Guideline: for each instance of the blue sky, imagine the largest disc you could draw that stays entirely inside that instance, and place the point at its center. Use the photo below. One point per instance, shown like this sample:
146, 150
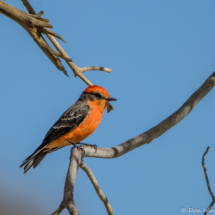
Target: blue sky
160, 53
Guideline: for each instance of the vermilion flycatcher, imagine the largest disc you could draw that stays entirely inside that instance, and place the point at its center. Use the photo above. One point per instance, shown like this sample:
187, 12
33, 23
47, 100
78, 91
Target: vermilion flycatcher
77, 123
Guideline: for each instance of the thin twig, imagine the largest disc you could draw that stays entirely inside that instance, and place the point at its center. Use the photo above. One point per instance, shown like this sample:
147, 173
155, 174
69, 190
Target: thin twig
97, 188
74, 68
49, 31
88, 68
58, 211
207, 180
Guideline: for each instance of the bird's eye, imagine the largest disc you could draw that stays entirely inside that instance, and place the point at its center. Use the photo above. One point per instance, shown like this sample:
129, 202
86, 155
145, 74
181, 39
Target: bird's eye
98, 95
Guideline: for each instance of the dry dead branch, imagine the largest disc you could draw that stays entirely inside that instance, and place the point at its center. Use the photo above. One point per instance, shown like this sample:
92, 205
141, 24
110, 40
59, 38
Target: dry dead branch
31, 23
35, 25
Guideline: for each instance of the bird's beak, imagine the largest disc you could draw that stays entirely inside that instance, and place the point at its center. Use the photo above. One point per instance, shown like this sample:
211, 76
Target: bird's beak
109, 106
111, 99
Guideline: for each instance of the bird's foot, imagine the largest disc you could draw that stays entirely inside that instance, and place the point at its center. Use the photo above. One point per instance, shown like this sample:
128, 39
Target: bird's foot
86, 144
78, 147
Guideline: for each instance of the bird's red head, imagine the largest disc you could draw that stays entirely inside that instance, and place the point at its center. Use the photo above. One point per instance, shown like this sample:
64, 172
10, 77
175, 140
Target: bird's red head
97, 89
101, 94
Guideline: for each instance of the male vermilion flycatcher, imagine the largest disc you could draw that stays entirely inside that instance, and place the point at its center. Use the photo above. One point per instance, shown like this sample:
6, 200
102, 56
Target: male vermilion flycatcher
77, 123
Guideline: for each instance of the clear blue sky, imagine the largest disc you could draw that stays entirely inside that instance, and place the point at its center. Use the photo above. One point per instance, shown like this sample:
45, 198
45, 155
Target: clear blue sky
160, 53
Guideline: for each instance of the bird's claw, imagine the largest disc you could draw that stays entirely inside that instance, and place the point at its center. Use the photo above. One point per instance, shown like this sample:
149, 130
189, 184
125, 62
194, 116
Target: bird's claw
82, 145
86, 144
95, 147
78, 147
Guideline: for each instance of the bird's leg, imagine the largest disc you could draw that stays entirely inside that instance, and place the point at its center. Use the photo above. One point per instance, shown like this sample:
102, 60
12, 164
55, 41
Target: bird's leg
75, 146
72, 143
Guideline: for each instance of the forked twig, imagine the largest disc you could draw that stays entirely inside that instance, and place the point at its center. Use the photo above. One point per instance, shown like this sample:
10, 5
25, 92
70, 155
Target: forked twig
207, 180
50, 34
35, 25
76, 70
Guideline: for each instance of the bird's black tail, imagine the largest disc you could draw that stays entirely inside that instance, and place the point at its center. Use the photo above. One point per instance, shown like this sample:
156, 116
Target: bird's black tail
35, 158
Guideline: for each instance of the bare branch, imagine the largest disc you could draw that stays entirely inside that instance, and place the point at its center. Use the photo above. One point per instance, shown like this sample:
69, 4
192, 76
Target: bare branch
75, 161
207, 180
34, 24
31, 23
49, 31
42, 30
97, 188
21, 17
68, 200
85, 69
156, 131
28, 7
74, 68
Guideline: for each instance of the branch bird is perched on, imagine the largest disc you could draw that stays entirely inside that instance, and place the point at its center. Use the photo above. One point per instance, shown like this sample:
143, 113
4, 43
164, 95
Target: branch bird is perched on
76, 124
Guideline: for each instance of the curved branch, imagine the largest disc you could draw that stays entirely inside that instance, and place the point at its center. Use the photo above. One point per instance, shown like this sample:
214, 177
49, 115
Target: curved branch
85, 69
156, 131
97, 188
207, 180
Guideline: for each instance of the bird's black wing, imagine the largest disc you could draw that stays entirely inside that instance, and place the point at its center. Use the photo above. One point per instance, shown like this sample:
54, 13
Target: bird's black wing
71, 119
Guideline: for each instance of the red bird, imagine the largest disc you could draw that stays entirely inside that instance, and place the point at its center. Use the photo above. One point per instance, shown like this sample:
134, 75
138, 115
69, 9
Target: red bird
76, 124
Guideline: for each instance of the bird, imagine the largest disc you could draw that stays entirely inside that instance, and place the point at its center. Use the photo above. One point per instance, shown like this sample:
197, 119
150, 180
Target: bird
75, 124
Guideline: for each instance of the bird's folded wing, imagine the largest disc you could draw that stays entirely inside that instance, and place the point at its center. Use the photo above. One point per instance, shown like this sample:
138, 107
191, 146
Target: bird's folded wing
70, 120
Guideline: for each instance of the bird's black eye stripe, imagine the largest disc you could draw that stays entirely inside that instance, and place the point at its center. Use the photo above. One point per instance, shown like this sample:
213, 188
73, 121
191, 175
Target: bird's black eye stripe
98, 95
